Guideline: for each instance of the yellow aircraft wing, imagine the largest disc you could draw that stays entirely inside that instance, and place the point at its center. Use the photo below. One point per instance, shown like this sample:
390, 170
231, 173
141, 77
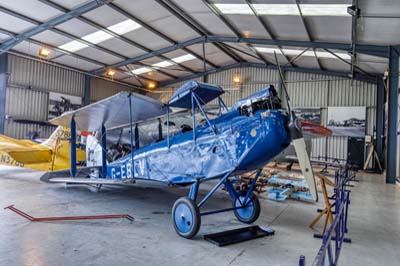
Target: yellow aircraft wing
25, 151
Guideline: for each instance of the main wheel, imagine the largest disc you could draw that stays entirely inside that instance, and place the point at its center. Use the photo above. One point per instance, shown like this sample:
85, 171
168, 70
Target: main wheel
186, 217
250, 210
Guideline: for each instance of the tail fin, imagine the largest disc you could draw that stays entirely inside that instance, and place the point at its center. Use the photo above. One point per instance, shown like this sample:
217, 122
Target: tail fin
61, 133
59, 143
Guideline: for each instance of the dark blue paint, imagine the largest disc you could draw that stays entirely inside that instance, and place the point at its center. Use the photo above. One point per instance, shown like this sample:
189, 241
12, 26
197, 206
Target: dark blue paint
103, 152
233, 149
73, 148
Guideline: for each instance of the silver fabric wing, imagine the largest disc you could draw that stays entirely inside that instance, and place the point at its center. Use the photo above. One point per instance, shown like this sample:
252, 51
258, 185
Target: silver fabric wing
113, 112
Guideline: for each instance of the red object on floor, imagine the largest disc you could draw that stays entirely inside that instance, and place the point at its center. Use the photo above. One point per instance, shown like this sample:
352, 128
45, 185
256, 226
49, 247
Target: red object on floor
68, 218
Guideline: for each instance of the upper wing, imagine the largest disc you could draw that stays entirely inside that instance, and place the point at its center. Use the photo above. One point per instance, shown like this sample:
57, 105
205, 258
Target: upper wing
24, 151
112, 112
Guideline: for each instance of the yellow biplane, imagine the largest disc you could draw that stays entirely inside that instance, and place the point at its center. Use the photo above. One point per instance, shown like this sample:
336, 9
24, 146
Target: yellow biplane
50, 155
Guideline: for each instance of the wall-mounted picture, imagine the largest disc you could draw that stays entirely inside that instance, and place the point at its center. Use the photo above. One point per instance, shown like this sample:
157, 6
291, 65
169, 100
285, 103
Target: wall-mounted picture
347, 121
309, 114
60, 103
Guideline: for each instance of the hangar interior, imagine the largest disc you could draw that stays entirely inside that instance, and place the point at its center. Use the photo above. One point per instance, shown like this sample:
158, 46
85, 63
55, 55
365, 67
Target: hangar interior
337, 56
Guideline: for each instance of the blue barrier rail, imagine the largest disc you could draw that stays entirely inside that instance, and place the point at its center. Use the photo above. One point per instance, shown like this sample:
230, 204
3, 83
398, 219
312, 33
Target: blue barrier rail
333, 238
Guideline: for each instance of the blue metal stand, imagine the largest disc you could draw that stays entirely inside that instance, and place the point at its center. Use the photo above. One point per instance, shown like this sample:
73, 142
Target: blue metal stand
103, 152
73, 149
336, 232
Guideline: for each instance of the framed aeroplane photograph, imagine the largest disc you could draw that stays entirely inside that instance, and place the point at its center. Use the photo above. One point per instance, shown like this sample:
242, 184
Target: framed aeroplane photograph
347, 121
60, 103
312, 115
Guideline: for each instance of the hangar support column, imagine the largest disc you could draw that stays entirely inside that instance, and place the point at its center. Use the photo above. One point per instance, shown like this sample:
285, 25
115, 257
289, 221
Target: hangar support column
392, 116
86, 91
380, 118
3, 89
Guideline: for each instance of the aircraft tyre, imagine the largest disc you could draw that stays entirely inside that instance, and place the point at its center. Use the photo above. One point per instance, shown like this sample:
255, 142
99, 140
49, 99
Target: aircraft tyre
250, 212
186, 217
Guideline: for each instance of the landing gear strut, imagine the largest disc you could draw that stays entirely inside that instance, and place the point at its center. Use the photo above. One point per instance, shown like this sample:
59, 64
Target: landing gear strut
186, 214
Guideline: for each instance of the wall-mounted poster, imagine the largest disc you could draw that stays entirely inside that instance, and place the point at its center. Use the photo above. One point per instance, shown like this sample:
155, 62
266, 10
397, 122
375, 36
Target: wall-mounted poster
347, 121
60, 103
309, 114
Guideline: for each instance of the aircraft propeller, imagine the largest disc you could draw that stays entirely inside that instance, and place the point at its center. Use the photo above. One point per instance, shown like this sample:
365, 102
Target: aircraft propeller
296, 133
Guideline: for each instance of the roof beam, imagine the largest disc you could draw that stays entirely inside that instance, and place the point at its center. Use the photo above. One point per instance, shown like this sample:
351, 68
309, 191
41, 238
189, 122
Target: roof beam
64, 52
267, 29
9, 44
375, 50
99, 27
309, 35
288, 68
73, 37
211, 6
180, 14
156, 32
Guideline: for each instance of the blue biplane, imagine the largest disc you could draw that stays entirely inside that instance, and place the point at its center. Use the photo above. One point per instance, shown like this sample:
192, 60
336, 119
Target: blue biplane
242, 139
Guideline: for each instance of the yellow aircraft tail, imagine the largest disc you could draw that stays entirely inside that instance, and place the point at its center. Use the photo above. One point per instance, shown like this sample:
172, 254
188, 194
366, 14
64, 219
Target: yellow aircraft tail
59, 143
52, 154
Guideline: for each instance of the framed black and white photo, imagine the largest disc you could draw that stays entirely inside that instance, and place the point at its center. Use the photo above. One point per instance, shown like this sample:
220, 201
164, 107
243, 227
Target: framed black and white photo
60, 103
347, 121
309, 114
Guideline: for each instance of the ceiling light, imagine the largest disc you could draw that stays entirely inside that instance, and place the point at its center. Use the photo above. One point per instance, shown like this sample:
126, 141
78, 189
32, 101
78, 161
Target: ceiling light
246, 34
151, 85
285, 9
141, 70
44, 52
110, 72
236, 79
293, 52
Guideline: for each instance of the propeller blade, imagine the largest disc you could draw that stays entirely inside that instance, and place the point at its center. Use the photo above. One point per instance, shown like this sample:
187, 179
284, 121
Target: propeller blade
296, 133
305, 165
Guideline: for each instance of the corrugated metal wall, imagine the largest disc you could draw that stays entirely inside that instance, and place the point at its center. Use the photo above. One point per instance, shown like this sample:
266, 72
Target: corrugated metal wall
41, 76
100, 89
29, 83
305, 90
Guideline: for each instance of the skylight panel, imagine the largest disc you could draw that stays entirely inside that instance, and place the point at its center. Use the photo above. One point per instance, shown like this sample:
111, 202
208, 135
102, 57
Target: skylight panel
97, 37
124, 27
277, 9
162, 64
183, 58
324, 10
294, 52
141, 70
73, 46
329, 55
101, 36
235, 9
285, 9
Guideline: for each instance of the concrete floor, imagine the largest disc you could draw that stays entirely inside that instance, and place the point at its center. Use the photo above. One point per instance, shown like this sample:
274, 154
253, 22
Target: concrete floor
151, 240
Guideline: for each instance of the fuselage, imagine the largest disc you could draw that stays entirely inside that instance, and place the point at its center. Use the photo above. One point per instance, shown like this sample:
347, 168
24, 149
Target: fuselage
232, 142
